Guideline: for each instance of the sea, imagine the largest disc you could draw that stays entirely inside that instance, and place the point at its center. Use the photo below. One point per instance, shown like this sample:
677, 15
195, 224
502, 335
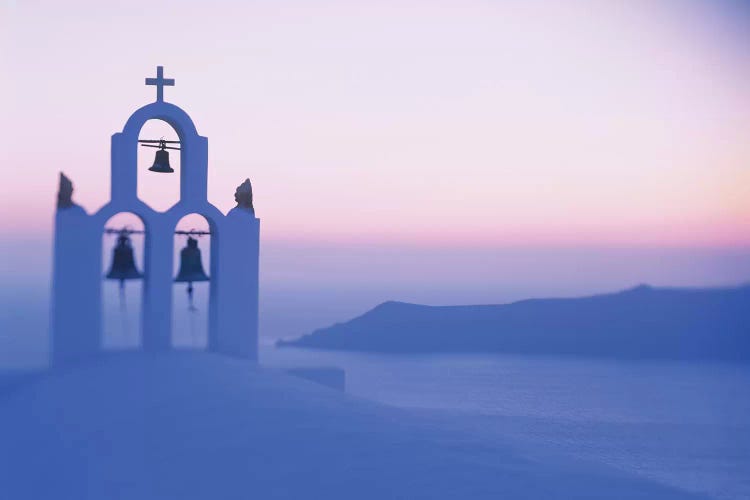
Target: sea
683, 424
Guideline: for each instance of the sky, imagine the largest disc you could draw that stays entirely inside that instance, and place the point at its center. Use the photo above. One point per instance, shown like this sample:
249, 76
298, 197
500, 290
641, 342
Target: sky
441, 151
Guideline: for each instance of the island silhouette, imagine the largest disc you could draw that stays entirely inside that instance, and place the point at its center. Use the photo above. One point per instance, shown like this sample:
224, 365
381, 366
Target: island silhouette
641, 322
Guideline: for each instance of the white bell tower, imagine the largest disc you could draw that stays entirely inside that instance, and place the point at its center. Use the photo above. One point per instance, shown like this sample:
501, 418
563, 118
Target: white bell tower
76, 315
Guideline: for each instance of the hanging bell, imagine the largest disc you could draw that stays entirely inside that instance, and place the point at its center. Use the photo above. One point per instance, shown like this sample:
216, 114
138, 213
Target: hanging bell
123, 264
161, 162
191, 267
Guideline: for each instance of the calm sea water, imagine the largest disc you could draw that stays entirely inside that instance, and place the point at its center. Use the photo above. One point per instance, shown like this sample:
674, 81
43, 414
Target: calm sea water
682, 424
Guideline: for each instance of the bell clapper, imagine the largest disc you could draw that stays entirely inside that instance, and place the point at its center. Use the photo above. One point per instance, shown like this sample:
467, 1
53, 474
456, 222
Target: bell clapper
123, 307
193, 310
125, 327
191, 307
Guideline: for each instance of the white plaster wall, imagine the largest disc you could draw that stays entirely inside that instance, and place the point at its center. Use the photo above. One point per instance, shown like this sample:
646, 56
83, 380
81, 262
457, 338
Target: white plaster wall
236, 314
76, 286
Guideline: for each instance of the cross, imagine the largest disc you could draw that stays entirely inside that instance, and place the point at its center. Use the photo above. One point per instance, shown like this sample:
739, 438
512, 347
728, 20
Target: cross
160, 82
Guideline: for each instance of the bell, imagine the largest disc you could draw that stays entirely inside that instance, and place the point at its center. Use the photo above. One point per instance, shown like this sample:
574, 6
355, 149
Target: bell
123, 264
191, 267
161, 162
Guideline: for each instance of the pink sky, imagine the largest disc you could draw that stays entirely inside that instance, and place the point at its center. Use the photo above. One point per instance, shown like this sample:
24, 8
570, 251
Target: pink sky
442, 124
441, 152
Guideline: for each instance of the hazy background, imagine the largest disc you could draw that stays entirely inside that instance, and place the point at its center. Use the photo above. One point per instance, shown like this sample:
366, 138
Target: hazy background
435, 152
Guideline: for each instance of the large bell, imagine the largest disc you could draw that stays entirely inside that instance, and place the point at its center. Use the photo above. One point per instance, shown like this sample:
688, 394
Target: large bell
191, 267
123, 264
161, 162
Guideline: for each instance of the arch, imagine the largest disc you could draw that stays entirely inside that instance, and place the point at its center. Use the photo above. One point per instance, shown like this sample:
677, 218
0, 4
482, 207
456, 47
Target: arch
207, 210
194, 154
139, 209
160, 191
121, 314
191, 314
174, 115
156, 297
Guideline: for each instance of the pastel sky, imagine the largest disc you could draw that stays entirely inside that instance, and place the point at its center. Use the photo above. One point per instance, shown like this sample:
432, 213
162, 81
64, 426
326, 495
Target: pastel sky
422, 125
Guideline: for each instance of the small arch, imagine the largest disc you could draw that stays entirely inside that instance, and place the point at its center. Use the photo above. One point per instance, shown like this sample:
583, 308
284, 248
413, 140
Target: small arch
192, 300
122, 292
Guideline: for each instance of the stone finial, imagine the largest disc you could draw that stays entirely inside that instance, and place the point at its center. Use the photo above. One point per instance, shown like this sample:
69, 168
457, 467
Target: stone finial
244, 196
65, 192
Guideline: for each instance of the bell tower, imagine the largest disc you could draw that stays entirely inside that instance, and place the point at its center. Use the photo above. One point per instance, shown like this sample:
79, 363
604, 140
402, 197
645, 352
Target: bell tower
76, 311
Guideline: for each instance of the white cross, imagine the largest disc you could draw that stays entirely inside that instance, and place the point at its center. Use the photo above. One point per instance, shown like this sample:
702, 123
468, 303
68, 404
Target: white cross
160, 83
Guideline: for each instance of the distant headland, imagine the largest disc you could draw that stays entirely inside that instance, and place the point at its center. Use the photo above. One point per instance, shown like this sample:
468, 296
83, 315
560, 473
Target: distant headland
641, 322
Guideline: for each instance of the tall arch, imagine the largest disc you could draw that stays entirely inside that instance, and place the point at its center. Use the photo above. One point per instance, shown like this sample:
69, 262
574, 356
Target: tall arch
159, 190
194, 155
